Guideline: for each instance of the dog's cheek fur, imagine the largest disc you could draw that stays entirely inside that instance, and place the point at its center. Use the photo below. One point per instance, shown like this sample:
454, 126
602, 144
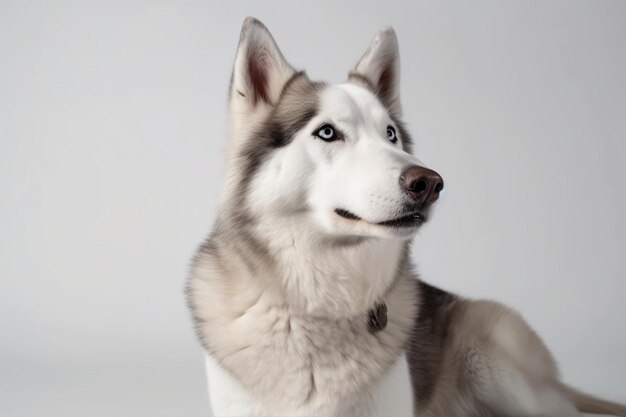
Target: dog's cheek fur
270, 145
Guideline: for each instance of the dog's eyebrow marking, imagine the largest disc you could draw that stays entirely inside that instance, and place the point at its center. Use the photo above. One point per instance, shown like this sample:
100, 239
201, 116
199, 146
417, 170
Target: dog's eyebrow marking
297, 105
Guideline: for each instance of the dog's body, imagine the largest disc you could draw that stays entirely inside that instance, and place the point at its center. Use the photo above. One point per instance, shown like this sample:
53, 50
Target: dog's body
304, 295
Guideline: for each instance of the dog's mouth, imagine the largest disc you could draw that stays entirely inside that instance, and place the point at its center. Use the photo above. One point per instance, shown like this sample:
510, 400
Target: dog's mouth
412, 219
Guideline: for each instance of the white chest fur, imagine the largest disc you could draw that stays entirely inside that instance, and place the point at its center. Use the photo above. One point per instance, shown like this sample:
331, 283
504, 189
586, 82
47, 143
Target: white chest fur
390, 396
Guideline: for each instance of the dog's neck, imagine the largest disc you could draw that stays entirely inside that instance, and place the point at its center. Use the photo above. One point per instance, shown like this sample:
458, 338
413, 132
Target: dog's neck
262, 310
324, 276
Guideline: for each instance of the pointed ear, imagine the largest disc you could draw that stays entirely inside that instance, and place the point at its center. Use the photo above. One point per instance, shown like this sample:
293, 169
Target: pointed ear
380, 66
260, 70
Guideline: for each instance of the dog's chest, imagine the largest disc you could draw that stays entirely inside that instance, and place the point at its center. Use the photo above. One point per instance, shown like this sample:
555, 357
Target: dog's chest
391, 396
296, 366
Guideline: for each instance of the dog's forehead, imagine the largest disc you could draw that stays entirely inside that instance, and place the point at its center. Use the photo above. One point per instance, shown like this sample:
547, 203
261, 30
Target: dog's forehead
352, 103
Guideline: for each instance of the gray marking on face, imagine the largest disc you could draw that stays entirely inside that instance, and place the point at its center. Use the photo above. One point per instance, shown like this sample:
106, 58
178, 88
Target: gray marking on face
297, 105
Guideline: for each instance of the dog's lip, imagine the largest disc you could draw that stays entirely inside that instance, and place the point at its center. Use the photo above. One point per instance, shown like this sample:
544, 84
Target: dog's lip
412, 219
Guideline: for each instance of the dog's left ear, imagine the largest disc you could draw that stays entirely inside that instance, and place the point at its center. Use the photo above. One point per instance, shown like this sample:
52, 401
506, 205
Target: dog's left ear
380, 65
260, 70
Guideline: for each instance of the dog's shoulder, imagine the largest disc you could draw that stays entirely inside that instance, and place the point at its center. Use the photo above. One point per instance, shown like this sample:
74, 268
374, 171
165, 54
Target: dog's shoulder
427, 339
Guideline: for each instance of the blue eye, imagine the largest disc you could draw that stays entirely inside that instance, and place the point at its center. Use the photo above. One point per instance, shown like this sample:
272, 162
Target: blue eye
391, 134
326, 132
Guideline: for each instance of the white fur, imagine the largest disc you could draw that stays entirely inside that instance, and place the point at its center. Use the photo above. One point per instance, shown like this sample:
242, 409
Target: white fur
391, 396
227, 396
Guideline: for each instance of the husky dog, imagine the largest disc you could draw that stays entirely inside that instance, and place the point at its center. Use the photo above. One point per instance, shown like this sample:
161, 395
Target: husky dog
304, 296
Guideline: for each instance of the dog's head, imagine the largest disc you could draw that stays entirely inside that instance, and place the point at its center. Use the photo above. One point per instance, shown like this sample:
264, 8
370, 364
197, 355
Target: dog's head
337, 155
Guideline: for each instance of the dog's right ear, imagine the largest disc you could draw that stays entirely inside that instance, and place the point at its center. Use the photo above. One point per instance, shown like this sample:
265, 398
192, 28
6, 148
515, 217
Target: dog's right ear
260, 71
380, 66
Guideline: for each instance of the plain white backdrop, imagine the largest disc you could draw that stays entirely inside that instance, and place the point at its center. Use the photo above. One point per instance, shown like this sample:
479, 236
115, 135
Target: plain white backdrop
112, 135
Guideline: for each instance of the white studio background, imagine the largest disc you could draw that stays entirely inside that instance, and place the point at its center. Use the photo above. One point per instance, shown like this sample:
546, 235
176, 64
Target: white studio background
112, 135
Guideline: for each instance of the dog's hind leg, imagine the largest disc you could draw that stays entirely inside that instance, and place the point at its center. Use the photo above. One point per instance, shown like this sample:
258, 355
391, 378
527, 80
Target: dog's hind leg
498, 387
503, 366
589, 404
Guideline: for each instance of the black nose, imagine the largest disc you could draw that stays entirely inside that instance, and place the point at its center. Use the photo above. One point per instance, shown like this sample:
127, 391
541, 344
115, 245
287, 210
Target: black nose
421, 184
